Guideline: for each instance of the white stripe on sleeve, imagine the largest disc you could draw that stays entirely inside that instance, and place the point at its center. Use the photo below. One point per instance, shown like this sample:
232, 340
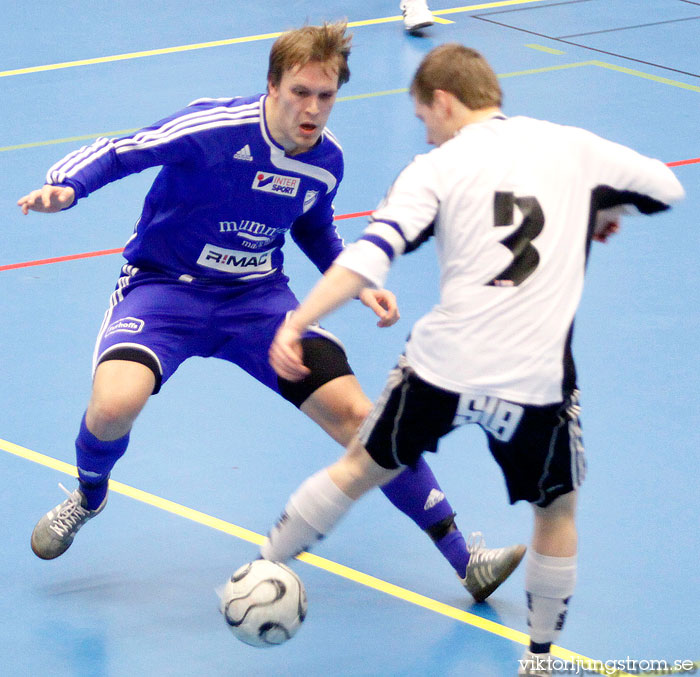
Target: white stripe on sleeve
366, 259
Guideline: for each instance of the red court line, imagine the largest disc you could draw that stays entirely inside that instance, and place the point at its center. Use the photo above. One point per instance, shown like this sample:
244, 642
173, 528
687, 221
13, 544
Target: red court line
340, 217
58, 259
683, 162
105, 252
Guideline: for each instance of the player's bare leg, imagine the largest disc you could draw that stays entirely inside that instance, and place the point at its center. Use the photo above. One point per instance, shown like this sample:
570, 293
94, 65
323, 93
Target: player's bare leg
339, 407
555, 532
120, 391
356, 472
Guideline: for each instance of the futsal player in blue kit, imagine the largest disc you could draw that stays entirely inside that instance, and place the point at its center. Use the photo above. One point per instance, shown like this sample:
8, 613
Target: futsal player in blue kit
204, 277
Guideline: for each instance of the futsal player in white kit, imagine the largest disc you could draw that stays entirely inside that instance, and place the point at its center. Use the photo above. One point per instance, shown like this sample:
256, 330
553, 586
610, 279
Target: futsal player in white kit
514, 204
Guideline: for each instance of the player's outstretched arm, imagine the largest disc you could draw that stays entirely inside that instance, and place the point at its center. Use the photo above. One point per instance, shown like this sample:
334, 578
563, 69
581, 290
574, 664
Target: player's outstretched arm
49, 199
383, 303
335, 288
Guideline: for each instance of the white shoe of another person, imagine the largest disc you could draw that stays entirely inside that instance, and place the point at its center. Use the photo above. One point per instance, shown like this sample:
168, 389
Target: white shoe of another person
416, 15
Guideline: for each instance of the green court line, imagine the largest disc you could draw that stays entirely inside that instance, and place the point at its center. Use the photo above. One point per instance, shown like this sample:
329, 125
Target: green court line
355, 97
388, 92
68, 139
314, 560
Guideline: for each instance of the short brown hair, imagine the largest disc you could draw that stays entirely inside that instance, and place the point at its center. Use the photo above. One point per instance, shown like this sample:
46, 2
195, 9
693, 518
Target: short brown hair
460, 70
311, 43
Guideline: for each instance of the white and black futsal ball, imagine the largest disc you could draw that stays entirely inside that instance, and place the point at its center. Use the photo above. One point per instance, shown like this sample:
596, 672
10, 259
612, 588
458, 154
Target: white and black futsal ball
264, 603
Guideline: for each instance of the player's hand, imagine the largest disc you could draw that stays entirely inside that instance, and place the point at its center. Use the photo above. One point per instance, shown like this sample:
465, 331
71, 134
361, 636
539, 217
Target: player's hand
383, 303
286, 354
606, 230
48, 199
607, 223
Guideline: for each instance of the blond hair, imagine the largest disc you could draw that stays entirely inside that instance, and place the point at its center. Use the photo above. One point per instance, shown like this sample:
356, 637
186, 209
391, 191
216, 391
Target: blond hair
325, 44
460, 70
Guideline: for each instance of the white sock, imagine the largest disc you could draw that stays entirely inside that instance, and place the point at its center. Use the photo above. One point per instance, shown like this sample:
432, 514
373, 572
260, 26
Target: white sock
549, 583
311, 512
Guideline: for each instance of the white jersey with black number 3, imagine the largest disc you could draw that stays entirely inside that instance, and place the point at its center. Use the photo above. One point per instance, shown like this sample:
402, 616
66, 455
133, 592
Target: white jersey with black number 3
512, 203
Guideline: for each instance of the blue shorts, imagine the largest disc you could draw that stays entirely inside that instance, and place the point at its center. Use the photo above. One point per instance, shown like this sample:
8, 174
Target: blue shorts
161, 321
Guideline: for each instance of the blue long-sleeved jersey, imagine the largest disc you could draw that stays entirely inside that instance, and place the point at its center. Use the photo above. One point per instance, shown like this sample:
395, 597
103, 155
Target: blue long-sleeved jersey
225, 196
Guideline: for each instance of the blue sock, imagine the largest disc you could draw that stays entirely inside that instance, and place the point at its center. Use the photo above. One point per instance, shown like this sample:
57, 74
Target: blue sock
94, 493
95, 460
454, 550
417, 494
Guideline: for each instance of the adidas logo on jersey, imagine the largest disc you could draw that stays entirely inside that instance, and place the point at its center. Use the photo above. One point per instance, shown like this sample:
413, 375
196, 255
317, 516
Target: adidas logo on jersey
244, 154
434, 497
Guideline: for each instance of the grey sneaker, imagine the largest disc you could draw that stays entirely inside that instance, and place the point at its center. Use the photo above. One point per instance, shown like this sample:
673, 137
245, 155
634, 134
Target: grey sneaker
487, 568
56, 530
535, 665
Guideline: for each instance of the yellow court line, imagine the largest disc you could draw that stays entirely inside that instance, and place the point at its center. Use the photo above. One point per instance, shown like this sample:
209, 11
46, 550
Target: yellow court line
309, 558
393, 19
545, 69
646, 76
236, 41
485, 5
137, 55
542, 48
608, 66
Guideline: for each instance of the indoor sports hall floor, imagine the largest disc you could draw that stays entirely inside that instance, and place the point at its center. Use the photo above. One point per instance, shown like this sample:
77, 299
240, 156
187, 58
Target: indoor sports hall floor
214, 456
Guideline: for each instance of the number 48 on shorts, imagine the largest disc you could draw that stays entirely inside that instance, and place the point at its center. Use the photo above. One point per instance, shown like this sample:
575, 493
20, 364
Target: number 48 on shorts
495, 416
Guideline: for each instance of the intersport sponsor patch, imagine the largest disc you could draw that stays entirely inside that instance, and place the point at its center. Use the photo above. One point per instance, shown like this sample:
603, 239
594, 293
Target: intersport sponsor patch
278, 184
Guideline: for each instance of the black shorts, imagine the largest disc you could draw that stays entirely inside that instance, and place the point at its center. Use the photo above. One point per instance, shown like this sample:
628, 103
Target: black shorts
539, 448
